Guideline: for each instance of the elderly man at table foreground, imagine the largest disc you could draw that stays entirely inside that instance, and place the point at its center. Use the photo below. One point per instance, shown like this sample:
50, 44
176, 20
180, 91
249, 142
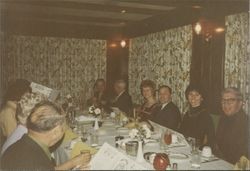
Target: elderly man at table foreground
232, 129
46, 126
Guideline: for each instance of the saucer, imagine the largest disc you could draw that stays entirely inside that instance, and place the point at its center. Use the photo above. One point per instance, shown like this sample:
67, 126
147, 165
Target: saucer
205, 157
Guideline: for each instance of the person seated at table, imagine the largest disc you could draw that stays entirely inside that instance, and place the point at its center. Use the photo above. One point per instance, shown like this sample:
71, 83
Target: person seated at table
99, 97
46, 126
232, 131
148, 92
167, 113
24, 106
197, 123
14, 93
122, 100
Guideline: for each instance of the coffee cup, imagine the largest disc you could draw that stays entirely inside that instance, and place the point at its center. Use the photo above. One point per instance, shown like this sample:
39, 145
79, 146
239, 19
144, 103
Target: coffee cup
206, 151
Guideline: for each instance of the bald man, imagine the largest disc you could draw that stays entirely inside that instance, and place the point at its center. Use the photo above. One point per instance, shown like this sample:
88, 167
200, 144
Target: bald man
122, 99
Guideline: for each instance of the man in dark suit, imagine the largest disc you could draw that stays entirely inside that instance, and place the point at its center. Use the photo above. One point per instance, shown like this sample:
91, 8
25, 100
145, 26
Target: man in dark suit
122, 99
167, 113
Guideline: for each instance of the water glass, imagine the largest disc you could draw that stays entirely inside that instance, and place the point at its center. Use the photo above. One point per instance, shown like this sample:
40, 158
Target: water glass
195, 159
86, 154
131, 148
94, 140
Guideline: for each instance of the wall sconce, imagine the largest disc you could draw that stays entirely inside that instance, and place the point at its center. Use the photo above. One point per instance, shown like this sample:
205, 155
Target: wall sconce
219, 29
123, 43
197, 28
112, 45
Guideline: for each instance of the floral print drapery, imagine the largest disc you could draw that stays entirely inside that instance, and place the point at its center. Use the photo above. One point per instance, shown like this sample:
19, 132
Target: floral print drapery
66, 64
163, 57
237, 57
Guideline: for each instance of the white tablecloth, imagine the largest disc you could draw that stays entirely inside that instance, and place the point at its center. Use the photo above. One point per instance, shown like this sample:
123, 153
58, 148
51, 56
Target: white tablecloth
107, 134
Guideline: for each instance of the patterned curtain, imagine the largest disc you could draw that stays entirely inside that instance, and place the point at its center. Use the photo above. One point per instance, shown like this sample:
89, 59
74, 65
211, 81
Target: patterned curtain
69, 65
163, 57
237, 60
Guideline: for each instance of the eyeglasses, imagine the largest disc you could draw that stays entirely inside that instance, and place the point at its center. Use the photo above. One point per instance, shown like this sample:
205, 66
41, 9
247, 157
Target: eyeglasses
229, 101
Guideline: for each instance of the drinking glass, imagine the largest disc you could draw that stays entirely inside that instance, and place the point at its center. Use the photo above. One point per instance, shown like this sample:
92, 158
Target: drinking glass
168, 137
87, 154
94, 140
163, 145
86, 157
85, 135
195, 159
195, 154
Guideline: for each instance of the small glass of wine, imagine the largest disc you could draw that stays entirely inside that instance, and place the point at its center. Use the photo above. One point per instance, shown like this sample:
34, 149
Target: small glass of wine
168, 137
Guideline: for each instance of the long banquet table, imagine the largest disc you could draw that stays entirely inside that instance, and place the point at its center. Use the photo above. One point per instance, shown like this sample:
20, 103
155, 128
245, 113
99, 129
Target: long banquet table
107, 134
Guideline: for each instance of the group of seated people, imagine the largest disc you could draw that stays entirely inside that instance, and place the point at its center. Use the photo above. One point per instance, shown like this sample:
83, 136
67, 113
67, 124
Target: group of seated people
229, 141
32, 126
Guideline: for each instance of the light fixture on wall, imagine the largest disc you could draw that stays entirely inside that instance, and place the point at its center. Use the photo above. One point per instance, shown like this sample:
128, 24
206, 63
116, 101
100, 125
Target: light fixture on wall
219, 29
123, 43
197, 28
112, 45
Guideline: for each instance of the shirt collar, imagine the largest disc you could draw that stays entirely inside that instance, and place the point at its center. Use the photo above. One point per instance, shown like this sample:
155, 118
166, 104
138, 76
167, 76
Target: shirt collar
119, 94
164, 104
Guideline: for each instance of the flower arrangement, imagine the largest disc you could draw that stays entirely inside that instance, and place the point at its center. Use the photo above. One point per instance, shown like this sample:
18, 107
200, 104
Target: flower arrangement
94, 111
140, 132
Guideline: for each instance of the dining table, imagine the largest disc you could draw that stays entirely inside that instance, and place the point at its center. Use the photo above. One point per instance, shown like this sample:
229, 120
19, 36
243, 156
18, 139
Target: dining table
110, 128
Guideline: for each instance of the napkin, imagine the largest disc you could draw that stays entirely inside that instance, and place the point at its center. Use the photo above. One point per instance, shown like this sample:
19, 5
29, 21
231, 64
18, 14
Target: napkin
78, 146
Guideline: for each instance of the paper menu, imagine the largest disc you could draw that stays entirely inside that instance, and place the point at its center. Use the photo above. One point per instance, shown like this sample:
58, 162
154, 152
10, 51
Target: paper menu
47, 92
109, 158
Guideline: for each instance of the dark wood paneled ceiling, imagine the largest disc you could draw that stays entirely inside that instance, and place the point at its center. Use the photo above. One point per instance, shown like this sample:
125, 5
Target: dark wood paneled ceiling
106, 19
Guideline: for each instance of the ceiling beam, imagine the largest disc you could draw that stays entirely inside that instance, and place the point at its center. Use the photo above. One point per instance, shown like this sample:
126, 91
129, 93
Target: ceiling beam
73, 12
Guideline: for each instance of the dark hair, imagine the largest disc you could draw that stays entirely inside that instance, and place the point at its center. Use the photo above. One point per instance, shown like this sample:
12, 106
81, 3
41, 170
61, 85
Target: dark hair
148, 83
45, 116
165, 86
16, 90
193, 87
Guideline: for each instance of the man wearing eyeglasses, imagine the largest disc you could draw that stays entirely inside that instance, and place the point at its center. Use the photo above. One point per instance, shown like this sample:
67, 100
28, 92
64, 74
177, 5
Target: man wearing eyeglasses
232, 130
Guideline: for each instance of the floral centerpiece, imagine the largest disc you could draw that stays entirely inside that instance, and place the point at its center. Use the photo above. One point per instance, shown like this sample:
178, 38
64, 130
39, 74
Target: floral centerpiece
140, 133
94, 111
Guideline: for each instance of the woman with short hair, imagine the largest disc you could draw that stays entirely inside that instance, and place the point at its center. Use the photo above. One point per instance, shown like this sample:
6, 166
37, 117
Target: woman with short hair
197, 123
148, 91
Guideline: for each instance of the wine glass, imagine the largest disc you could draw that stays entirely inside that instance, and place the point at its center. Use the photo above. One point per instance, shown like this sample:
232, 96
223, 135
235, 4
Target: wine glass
168, 137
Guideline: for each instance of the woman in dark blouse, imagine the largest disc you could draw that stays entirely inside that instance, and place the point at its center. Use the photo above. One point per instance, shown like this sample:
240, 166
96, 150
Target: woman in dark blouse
148, 92
197, 123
